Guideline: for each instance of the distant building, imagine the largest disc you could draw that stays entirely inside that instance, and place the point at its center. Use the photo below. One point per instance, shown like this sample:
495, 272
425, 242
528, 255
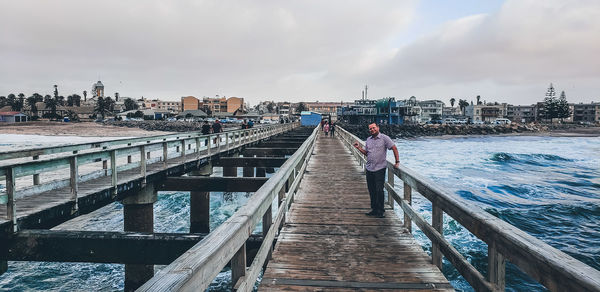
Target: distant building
213, 105
326, 107
521, 113
189, 103
233, 104
169, 106
283, 108
431, 109
451, 112
13, 117
98, 89
586, 112
486, 112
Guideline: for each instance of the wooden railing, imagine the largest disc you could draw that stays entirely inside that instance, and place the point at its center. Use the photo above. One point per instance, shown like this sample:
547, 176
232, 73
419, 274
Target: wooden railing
551, 267
74, 156
197, 268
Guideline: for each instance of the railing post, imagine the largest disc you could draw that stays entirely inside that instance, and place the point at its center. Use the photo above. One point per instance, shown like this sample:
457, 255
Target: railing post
496, 267
238, 266
391, 183
266, 225
113, 170
36, 177
11, 208
408, 199
198, 145
165, 146
226, 141
208, 142
183, 147
437, 221
143, 163
74, 181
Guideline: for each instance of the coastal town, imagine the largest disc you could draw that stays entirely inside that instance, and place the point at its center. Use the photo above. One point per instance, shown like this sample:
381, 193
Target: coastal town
99, 106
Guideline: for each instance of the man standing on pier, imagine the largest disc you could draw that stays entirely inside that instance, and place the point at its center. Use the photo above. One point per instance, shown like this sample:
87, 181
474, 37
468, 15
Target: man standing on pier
375, 149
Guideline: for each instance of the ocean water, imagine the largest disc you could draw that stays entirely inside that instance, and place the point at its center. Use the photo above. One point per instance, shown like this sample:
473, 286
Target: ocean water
547, 186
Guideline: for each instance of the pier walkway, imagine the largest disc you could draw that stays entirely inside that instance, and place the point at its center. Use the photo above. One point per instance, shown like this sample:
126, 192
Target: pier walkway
327, 241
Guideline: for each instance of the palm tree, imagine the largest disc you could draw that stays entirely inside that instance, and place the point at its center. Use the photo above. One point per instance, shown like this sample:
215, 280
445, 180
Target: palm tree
85, 95
462, 104
51, 104
452, 101
55, 91
478, 98
11, 99
76, 100
31, 102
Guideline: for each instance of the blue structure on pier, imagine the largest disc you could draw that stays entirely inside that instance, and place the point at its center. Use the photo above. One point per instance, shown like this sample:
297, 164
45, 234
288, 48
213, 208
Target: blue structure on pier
310, 118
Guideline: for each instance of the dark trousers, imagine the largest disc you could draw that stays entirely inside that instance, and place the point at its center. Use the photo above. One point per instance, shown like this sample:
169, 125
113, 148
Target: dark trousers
375, 181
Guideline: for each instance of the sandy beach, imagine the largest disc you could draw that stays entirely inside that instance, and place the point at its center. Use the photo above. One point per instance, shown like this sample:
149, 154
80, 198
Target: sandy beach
84, 129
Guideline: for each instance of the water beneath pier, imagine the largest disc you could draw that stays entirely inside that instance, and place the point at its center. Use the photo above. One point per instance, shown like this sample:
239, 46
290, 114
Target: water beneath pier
547, 186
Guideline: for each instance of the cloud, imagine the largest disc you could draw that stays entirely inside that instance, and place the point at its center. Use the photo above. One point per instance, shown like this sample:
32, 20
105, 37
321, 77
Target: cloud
170, 49
511, 55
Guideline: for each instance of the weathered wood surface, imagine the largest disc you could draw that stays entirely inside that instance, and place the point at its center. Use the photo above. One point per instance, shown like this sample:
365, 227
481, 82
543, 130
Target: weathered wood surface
329, 244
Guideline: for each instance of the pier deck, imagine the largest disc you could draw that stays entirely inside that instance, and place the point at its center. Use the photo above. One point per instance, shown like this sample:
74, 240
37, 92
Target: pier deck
329, 244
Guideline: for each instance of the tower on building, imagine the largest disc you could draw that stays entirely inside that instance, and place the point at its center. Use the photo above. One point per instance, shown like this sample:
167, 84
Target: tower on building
98, 89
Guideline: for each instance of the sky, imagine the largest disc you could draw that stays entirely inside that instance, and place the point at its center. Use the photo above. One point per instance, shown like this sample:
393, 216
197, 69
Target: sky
505, 51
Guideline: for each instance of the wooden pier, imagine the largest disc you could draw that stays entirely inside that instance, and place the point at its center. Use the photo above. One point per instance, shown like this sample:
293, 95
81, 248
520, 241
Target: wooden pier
328, 243
315, 235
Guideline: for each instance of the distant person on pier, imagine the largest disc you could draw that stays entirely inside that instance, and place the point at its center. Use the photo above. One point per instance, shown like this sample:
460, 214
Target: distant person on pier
250, 124
375, 149
206, 128
217, 127
326, 129
332, 129
244, 125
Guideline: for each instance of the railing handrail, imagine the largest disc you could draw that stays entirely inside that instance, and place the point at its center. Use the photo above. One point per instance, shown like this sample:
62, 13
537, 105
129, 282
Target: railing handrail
551, 267
196, 268
121, 145
47, 150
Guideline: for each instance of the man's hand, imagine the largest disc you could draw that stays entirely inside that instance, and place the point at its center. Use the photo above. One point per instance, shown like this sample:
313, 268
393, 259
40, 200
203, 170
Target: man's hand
356, 145
397, 165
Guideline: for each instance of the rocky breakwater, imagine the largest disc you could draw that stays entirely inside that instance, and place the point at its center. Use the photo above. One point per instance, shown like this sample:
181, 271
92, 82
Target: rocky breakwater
166, 126
411, 131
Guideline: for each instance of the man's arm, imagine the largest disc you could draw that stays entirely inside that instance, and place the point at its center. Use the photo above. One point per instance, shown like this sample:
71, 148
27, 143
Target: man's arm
357, 146
397, 156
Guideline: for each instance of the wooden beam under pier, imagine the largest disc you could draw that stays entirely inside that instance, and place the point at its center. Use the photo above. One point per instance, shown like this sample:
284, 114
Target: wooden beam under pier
269, 151
249, 161
212, 184
104, 247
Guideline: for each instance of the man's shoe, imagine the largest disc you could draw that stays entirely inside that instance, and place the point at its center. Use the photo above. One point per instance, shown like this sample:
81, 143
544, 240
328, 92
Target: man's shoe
372, 213
379, 215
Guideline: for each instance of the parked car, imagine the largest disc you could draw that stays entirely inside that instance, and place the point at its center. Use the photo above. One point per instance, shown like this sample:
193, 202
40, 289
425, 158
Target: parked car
478, 123
502, 121
450, 121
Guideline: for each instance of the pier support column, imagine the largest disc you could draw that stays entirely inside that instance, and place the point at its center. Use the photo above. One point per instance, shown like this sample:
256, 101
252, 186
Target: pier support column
200, 204
138, 215
248, 171
230, 171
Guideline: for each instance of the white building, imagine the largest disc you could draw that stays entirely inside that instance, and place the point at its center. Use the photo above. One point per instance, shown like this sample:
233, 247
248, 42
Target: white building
431, 108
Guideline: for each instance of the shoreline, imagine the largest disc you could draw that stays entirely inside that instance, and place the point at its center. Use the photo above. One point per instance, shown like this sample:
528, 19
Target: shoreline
79, 129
